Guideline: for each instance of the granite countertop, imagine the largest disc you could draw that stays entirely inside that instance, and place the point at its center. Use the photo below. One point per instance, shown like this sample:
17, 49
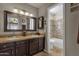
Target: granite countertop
18, 38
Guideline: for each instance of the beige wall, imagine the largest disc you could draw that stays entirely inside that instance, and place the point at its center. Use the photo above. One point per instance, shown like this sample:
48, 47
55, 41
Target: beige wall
72, 21
43, 11
10, 7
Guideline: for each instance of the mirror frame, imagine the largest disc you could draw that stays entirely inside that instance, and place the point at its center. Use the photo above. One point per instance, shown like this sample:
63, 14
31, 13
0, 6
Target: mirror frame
5, 21
8, 30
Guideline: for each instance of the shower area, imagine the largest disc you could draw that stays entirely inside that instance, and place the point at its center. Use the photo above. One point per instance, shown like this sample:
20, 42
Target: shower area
56, 30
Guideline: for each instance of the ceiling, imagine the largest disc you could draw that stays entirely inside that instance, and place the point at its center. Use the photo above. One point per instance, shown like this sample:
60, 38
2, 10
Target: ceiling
37, 5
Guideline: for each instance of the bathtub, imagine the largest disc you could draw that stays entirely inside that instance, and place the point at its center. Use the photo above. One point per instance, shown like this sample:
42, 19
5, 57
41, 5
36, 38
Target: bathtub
56, 42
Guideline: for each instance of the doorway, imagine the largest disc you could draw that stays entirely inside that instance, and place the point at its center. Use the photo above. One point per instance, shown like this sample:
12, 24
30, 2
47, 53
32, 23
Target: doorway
56, 30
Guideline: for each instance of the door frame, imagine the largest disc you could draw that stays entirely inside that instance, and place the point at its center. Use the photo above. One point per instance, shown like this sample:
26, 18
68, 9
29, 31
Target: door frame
48, 26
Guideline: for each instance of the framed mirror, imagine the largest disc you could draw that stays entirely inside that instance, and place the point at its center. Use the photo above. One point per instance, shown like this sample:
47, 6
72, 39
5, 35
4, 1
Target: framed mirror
41, 22
14, 22
11, 21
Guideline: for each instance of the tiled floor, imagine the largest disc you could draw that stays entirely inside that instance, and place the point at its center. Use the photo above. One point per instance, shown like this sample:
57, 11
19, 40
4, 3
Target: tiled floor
56, 52
53, 52
42, 54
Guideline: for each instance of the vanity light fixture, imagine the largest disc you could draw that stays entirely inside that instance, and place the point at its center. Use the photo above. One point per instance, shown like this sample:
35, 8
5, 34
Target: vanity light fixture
15, 10
22, 12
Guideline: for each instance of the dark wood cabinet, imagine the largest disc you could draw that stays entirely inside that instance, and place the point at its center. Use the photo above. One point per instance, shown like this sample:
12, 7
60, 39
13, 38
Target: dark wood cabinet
36, 45
7, 49
33, 46
41, 44
22, 48
7, 52
20, 51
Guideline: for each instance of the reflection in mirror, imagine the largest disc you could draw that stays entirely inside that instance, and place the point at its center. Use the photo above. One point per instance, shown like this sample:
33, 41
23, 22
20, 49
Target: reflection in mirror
11, 21
14, 22
32, 23
24, 22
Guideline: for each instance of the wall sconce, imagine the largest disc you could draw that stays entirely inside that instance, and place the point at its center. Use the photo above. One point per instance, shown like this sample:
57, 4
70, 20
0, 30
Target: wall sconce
15, 10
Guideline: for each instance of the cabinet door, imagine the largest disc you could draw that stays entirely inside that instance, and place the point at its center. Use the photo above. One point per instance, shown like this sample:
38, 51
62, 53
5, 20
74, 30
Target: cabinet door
7, 52
41, 44
22, 48
33, 46
20, 51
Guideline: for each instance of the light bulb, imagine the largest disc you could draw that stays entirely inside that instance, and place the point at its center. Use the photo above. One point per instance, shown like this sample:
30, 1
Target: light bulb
21, 12
31, 15
15, 10
26, 13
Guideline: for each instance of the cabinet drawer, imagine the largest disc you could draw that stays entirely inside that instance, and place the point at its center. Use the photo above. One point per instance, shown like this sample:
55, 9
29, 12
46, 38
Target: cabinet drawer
6, 45
21, 50
33, 40
7, 52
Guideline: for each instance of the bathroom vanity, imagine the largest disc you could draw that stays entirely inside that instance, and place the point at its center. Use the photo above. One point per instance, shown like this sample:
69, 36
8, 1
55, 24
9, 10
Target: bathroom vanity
22, 45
